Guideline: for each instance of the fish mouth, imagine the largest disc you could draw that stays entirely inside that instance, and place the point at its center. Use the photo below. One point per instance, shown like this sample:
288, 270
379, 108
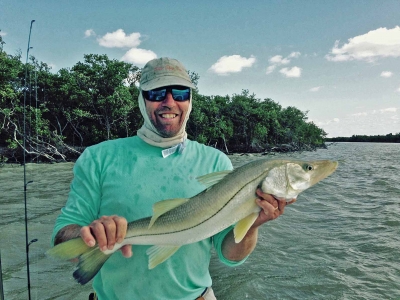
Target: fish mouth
323, 169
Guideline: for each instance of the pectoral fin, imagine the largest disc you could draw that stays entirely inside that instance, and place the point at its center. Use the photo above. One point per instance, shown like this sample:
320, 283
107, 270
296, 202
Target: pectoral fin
160, 208
210, 179
159, 254
243, 226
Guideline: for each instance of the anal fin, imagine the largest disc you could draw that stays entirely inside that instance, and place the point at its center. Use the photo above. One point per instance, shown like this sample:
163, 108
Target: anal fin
159, 254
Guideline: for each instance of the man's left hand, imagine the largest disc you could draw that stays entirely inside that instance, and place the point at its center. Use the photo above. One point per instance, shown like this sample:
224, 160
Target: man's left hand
271, 208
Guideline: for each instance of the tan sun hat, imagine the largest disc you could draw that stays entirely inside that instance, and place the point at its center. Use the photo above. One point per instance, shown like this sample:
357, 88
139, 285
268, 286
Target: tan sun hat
164, 71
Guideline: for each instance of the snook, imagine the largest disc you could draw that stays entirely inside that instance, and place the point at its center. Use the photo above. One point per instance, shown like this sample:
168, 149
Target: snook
228, 199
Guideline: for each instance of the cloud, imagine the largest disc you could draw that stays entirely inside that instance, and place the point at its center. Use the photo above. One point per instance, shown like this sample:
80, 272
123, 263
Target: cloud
294, 55
270, 69
369, 122
374, 112
279, 60
375, 44
118, 39
398, 90
327, 122
315, 89
138, 56
386, 74
390, 109
361, 114
89, 33
293, 72
3, 33
232, 64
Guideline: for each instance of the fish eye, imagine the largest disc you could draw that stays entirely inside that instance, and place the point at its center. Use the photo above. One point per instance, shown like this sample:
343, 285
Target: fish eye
308, 167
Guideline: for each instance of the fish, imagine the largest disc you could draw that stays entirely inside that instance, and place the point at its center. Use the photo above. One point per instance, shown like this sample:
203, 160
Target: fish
228, 199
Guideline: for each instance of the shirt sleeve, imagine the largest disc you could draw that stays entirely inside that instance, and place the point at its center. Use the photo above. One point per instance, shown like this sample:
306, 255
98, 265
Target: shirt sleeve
84, 197
217, 241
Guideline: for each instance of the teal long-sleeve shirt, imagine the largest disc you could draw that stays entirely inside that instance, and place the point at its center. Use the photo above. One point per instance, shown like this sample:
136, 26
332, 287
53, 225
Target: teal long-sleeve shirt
126, 177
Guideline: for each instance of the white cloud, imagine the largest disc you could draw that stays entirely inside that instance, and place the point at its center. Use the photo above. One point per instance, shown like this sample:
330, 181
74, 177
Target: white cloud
315, 89
361, 114
327, 122
118, 39
89, 33
138, 56
398, 90
368, 122
386, 74
390, 109
232, 64
375, 44
270, 69
294, 54
279, 60
293, 72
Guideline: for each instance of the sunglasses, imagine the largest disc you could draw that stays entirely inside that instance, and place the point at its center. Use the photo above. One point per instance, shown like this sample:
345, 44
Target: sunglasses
179, 93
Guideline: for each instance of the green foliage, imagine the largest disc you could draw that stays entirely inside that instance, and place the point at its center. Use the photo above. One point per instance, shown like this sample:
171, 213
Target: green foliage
96, 100
388, 138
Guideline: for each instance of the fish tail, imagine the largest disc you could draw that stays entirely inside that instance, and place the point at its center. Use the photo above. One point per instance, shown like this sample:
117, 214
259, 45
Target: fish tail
70, 249
89, 265
91, 259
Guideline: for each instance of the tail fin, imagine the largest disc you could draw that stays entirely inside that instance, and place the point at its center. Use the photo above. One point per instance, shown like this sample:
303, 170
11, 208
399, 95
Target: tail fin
70, 249
89, 264
90, 259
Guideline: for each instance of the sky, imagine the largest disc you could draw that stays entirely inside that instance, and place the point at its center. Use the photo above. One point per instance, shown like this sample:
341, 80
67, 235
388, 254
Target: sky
339, 60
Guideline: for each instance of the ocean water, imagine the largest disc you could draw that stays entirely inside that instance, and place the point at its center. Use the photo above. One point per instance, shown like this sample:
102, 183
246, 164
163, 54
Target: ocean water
340, 240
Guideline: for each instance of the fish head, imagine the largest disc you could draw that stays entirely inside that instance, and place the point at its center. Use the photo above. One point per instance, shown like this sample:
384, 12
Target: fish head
286, 179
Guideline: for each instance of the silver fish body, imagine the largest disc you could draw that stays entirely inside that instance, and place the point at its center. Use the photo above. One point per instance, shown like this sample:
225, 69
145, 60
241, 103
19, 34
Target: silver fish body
228, 199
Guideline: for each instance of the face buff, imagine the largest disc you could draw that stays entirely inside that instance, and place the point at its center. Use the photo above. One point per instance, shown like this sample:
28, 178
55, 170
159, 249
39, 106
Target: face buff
150, 134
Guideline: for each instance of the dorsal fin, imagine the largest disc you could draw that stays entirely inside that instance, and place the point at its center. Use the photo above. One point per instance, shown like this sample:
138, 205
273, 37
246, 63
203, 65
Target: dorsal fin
160, 208
210, 179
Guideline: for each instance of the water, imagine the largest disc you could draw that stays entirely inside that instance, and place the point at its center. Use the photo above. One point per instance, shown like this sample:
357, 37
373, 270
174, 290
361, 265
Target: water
340, 240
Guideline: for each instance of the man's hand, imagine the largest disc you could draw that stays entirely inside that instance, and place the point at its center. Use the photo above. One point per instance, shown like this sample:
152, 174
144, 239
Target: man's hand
271, 208
107, 231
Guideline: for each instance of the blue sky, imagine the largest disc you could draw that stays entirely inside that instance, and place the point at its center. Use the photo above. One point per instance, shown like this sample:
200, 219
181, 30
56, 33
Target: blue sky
339, 60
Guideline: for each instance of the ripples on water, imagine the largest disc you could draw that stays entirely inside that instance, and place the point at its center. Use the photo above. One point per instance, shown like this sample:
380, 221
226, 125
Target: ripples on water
340, 240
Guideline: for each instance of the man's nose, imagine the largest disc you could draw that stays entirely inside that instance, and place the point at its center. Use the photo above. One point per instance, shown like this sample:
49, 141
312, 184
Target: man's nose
168, 101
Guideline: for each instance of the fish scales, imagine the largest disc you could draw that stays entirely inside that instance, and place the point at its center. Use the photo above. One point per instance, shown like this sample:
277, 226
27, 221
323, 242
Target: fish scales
237, 187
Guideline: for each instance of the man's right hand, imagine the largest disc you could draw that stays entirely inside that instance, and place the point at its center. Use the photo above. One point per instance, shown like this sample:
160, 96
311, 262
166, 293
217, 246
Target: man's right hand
107, 231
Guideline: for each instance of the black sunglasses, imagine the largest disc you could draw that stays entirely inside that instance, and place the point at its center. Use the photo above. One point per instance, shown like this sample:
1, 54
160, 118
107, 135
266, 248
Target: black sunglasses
179, 93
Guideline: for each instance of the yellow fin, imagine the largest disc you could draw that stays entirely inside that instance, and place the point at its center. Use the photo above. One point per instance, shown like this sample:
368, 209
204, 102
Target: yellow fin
160, 208
210, 179
159, 254
91, 259
69, 249
243, 226
89, 265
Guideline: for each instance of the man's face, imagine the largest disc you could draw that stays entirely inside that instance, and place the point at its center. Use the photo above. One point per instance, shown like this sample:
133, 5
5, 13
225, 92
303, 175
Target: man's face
168, 115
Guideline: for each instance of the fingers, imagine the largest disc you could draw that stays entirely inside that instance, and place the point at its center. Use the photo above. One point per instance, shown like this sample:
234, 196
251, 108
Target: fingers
87, 236
127, 251
107, 231
272, 207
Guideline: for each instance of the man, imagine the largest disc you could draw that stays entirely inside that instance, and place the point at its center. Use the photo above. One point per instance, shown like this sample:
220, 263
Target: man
118, 181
